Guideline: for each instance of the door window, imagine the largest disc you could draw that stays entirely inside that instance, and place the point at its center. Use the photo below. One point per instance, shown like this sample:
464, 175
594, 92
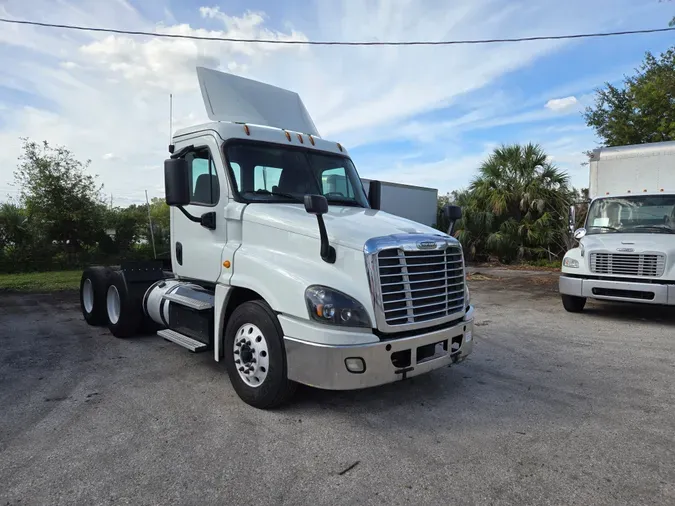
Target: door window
205, 189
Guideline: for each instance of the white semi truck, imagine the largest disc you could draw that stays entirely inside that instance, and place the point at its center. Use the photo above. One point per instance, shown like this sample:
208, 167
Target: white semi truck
626, 249
283, 277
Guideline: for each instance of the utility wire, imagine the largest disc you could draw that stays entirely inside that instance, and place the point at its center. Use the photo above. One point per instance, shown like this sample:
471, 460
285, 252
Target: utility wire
336, 43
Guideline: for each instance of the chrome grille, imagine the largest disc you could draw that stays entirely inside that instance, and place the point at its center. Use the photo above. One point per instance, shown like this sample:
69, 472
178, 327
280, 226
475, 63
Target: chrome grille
650, 265
420, 286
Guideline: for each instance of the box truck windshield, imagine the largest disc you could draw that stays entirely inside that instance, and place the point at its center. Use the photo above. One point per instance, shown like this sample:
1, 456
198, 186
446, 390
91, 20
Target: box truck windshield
632, 214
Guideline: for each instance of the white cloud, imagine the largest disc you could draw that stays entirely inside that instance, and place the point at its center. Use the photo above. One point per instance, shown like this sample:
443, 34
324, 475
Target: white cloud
110, 156
108, 94
561, 104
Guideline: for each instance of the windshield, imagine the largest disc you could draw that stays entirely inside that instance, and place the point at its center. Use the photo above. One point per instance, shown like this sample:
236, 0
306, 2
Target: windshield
271, 173
634, 214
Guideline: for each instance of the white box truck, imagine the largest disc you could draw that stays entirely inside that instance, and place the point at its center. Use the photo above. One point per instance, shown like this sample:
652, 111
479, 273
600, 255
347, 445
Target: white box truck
626, 249
416, 203
283, 276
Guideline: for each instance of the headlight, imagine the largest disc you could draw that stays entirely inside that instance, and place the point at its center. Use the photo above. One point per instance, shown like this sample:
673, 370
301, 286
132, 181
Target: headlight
570, 262
326, 305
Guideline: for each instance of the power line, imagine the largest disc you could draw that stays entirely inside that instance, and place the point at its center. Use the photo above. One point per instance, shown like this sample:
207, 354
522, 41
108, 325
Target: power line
337, 43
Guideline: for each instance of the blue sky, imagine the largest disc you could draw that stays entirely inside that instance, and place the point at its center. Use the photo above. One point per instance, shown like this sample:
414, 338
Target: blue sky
419, 115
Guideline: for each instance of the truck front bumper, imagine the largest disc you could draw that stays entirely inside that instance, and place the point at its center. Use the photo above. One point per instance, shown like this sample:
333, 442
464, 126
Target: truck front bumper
628, 291
326, 366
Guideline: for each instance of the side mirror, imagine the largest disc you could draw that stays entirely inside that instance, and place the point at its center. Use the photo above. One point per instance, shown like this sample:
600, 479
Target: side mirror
318, 205
452, 213
375, 194
177, 182
572, 218
579, 233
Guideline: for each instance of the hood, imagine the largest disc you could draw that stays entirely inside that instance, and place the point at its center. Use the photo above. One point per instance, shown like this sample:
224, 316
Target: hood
346, 226
639, 243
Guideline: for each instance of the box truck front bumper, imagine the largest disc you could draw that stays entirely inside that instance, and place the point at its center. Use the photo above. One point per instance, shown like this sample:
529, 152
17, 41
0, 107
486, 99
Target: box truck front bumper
351, 367
628, 291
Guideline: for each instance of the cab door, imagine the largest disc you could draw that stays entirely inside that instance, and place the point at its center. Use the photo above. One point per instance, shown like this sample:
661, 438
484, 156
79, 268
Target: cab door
196, 249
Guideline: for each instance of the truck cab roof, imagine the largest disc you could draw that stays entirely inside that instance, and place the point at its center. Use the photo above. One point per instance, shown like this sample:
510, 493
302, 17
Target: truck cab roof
229, 130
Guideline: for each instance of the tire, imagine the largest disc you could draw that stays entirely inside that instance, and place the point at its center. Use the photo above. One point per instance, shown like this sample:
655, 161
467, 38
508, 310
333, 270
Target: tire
275, 388
93, 286
123, 307
573, 304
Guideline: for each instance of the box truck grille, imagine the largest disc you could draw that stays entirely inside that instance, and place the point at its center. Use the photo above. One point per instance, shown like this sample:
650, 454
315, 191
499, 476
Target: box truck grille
628, 264
420, 286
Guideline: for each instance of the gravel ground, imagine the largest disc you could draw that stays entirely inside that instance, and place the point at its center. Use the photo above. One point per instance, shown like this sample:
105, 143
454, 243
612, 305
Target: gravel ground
551, 408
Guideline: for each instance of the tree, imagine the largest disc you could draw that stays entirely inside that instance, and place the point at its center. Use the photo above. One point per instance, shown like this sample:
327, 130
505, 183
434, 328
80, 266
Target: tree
62, 201
517, 207
640, 111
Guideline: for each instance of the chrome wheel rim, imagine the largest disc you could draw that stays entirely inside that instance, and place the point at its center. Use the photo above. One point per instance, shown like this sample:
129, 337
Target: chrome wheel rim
113, 304
251, 356
88, 295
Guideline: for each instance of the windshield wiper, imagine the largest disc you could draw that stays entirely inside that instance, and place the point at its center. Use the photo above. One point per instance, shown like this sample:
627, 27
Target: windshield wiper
274, 194
662, 228
605, 227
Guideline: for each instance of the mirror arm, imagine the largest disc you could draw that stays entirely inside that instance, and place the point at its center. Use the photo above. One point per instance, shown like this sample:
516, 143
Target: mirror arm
188, 215
328, 254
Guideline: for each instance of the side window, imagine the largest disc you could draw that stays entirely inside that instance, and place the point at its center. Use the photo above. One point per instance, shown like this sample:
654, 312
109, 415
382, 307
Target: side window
336, 181
266, 178
204, 180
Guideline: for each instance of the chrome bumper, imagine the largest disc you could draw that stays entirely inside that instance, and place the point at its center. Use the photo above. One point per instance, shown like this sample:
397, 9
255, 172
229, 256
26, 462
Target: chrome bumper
324, 366
617, 290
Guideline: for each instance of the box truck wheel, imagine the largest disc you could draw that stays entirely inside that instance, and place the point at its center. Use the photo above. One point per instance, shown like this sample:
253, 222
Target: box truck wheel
123, 307
255, 357
93, 286
573, 304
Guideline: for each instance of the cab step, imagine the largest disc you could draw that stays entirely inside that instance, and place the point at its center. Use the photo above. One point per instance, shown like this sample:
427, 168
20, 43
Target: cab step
182, 340
196, 304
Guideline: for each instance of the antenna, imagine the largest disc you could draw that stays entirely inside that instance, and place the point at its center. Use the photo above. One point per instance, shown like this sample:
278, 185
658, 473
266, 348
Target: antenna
170, 122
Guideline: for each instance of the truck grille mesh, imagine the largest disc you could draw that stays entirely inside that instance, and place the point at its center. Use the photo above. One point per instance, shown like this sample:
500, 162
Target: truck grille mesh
628, 264
419, 286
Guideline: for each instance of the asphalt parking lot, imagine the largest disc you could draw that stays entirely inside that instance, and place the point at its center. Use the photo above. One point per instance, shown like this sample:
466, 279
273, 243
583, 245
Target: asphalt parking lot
551, 408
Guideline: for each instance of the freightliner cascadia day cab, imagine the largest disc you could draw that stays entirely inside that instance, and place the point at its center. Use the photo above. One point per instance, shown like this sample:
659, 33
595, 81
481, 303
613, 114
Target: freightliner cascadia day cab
283, 277
626, 249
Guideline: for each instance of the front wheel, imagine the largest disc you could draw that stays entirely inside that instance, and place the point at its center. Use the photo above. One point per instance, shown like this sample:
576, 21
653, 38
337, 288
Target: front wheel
255, 357
573, 304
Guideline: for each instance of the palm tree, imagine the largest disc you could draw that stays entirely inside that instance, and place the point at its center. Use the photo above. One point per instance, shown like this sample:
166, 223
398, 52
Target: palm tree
526, 196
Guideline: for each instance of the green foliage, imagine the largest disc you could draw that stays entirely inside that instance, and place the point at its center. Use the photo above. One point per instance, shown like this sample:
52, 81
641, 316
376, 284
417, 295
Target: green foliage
516, 208
62, 201
60, 220
41, 281
642, 110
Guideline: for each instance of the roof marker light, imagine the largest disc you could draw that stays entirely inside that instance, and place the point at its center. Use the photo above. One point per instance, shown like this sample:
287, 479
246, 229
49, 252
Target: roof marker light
247, 130
301, 139
288, 135
339, 146
311, 139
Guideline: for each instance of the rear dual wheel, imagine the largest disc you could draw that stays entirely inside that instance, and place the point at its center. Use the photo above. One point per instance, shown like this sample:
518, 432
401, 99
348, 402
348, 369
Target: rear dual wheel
123, 307
93, 287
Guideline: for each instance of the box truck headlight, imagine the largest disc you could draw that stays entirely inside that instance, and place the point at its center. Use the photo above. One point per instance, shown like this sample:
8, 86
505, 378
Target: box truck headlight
570, 262
330, 306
